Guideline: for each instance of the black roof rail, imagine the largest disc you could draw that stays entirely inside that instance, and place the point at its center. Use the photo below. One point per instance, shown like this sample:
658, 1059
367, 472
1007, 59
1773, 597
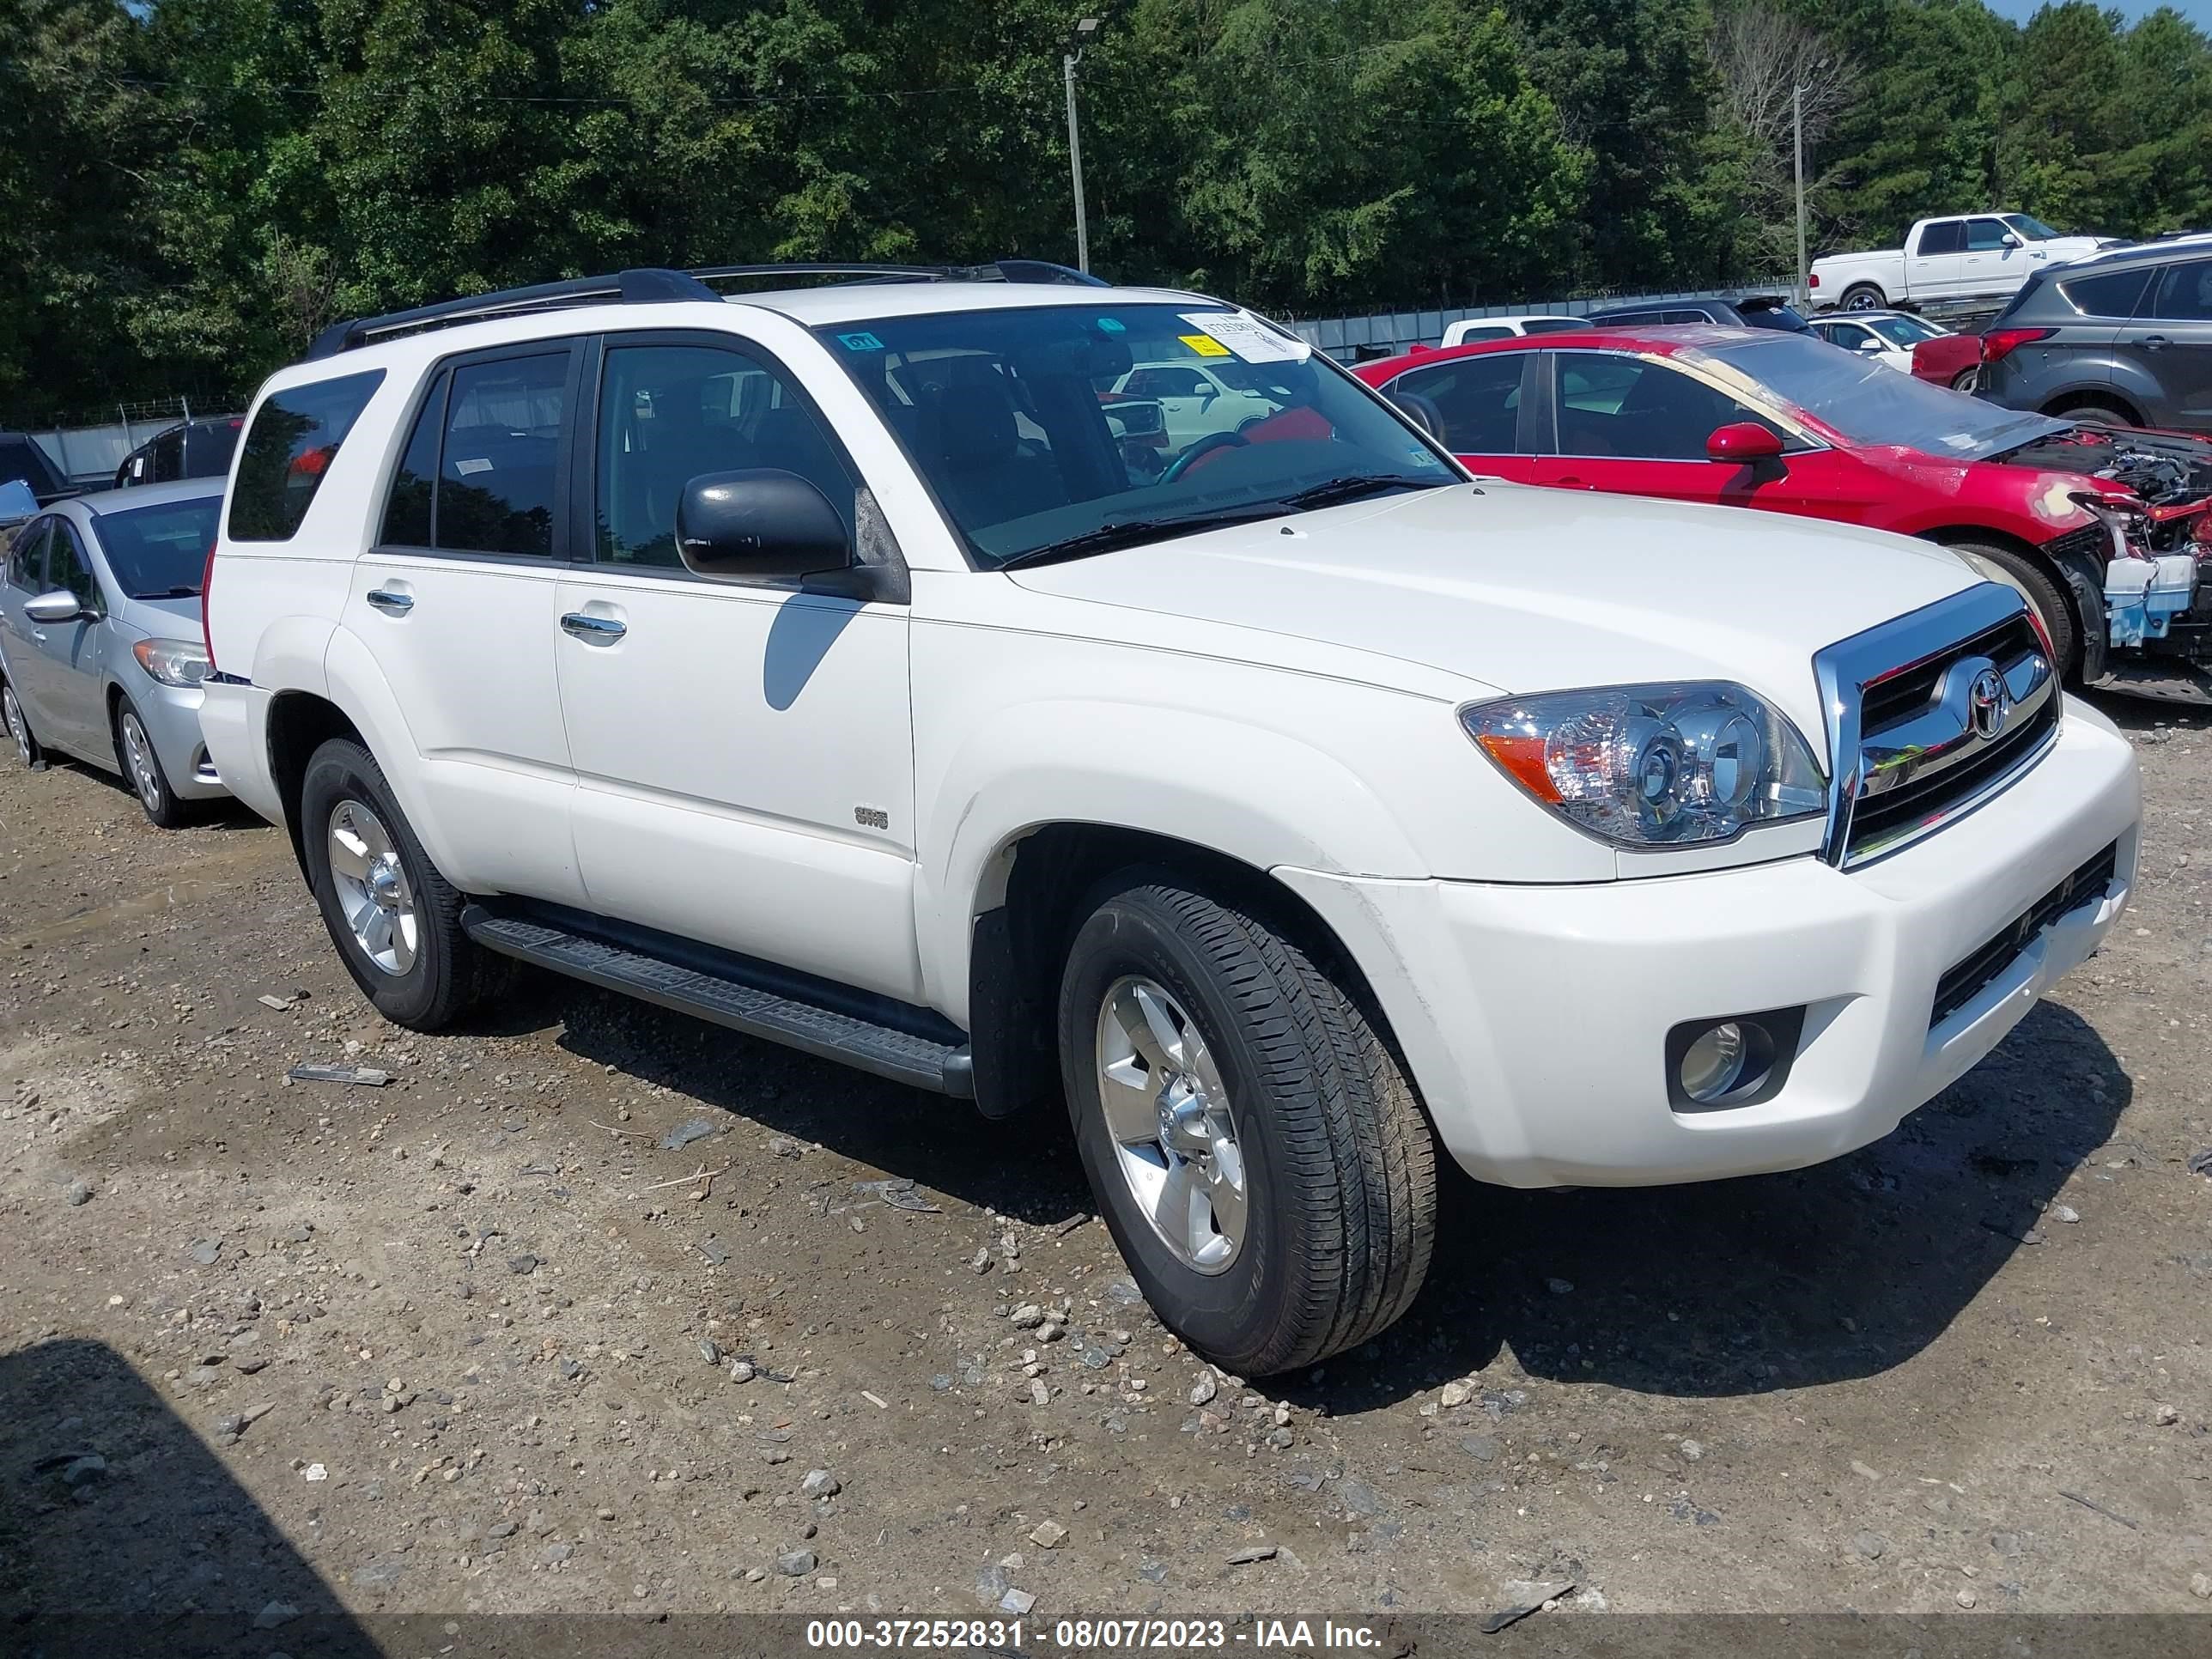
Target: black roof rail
651, 286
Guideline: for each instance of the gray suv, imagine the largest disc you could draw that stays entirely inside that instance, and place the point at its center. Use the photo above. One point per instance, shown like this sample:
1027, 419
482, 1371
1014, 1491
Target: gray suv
2125, 334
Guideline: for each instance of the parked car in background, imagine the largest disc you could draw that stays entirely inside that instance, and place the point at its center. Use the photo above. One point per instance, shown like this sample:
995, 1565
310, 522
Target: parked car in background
818, 662
22, 460
191, 449
1194, 398
1979, 256
1783, 423
1892, 338
1754, 311
1470, 331
1951, 360
101, 655
2124, 336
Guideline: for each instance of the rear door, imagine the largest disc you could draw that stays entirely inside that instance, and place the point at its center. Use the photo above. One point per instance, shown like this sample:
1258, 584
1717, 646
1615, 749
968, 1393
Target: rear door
2171, 337
1932, 264
1478, 405
458, 600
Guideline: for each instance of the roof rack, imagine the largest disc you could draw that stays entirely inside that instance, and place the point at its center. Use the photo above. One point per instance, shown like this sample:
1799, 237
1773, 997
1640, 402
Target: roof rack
652, 286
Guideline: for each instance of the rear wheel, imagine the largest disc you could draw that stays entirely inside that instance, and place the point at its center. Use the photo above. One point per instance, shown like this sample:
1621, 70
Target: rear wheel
1864, 297
1255, 1148
2108, 410
2045, 595
1965, 380
397, 922
18, 726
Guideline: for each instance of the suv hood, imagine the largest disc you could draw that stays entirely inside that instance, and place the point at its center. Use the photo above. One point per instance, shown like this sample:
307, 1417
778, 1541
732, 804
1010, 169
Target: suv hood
1522, 589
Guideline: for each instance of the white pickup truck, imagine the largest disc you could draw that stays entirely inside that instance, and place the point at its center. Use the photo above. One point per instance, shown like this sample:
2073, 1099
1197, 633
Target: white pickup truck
1293, 814
1980, 256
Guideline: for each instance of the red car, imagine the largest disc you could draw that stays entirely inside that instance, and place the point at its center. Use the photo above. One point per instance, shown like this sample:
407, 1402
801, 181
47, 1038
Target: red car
1753, 417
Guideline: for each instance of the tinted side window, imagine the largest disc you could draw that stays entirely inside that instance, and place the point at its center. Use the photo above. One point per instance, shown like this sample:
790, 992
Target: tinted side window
169, 458
1477, 399
2115, 294
1632, 319
1986, 235
67, 566
1945, 236
27, 559
294, 437
2184, 293
669, 413
1633, 410
1552, 325
496, 474
407, 510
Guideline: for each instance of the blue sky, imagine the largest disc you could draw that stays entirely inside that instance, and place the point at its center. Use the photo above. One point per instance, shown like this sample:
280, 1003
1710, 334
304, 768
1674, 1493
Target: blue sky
2198, 12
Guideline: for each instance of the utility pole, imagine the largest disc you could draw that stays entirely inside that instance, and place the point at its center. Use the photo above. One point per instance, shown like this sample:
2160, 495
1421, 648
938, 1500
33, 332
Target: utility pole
1797, 122
1080, 39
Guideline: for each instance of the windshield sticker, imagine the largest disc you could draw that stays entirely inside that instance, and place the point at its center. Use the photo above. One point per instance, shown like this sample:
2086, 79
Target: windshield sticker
860, 342
1204, 344
1241, 333
1112, 326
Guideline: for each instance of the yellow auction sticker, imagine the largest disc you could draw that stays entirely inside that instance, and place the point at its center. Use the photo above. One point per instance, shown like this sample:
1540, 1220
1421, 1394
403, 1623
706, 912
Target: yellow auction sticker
1204, 344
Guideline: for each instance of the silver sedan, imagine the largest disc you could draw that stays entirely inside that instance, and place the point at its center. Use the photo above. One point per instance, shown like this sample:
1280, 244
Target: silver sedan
101, 655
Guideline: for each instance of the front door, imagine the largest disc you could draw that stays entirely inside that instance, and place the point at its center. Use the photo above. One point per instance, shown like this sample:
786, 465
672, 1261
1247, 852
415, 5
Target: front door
456, 602
71, 698
744, 750
1995, 262
1634, 426
27, 580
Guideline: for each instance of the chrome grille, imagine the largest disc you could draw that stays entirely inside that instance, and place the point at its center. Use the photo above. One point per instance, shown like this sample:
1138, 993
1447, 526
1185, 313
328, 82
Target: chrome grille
1929, 715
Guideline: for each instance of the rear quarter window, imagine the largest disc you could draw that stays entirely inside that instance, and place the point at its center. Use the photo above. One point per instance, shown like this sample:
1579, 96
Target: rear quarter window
295, 435
2114, 293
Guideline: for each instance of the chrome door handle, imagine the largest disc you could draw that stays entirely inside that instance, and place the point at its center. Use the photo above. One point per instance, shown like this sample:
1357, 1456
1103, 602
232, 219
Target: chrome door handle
2155, 341
598, 630
390, 604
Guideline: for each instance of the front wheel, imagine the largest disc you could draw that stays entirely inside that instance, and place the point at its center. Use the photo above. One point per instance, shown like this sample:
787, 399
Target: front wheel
141, 769
1255, 1148
2045, 596
397, 922
18, 726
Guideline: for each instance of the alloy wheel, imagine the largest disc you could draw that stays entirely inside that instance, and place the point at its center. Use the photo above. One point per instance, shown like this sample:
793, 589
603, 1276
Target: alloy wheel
374, 893
138, 760
1173, 1128
18, 727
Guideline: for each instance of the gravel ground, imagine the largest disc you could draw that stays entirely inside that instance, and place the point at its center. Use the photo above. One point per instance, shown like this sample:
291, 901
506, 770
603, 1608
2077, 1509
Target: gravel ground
487, 1339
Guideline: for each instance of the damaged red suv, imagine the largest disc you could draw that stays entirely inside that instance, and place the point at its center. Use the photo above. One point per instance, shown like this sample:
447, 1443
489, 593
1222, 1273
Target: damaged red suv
1789, 424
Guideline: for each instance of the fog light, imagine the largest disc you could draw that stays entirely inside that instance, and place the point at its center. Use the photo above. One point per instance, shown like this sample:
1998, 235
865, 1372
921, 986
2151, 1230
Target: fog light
1714, 1064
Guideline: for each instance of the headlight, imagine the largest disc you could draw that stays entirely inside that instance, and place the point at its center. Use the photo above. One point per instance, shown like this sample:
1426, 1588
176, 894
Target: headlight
172, 662
1653, 765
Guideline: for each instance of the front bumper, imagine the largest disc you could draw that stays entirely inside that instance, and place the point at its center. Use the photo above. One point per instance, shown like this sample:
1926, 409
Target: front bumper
1534, 1018
171, 715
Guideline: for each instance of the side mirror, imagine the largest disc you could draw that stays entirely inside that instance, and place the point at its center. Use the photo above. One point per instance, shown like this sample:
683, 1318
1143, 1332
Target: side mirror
59, 606
1743, 441
2008, 241
759, 525
1871, 347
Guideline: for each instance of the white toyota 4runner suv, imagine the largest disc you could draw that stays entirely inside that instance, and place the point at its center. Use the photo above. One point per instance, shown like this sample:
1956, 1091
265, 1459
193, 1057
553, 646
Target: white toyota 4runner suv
824, 664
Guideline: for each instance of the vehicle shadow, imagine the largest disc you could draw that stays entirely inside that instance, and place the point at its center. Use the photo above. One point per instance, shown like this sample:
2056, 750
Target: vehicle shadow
122, 1533
1836, 1272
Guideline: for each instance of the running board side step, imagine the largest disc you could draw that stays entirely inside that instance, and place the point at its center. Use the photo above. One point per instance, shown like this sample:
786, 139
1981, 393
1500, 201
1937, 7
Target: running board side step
725, 1000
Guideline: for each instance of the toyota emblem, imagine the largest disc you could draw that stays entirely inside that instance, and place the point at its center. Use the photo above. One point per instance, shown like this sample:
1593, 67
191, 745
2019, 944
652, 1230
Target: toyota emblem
1985, 703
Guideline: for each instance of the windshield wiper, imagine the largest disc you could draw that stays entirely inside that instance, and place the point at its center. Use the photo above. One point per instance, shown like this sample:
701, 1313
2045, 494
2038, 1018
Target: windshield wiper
1129, 533
1352, 488
170, 593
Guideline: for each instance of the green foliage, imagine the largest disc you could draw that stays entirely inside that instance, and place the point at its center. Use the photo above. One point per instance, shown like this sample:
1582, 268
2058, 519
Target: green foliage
192, 188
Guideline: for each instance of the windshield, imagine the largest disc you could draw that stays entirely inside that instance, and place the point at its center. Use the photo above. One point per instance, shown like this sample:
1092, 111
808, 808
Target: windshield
1082, 428
2030, 230
161, 552
1866, 403
1903, 331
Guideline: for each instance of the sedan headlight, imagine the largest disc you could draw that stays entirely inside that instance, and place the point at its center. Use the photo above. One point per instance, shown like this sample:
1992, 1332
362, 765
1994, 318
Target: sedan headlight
172, 662
1653, 765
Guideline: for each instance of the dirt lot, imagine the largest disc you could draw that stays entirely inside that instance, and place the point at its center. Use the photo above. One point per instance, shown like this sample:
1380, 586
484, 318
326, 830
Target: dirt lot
466, 1342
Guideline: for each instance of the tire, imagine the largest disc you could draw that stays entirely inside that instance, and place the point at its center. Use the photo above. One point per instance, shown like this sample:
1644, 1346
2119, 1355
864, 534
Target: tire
1965, 380
142, 773
2045, 596
27, 747
2093, 409
428, 973
1863, 296
1338, 1164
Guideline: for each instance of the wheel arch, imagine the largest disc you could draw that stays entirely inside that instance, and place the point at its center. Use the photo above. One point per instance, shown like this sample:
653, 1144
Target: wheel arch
2097, 395
2084, 586
1032, 897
